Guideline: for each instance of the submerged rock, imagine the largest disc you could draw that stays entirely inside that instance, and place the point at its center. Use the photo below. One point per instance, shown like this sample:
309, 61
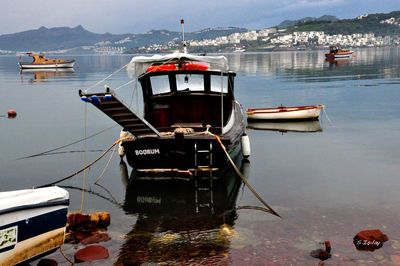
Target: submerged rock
369, 240
320, 254
97, 238
99, 219
91, 253
81, 226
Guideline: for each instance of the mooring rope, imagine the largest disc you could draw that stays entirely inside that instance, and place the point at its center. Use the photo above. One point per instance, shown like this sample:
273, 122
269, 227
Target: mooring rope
84, 157
89, 165
326, 114
91, 87
68, 259
123, 85
105, 168
64, 146
241, 175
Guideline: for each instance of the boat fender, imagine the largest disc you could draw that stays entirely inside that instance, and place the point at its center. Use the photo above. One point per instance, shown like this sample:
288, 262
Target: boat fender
121, 150
95, 100
245, 145
123, 134
107, 97
86, 99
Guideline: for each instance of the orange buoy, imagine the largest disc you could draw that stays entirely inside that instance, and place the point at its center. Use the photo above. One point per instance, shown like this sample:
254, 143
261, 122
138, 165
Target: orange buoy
11, 114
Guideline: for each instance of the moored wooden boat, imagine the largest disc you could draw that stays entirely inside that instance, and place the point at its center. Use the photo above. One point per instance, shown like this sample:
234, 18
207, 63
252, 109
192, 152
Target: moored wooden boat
183, 102
32, 223
338, 52
190, 116
283, 113
40, 61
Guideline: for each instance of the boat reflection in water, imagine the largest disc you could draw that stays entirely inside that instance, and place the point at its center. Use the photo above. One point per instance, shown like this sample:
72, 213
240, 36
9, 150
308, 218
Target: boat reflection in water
180, 221
41, 75
337, 62
296, 126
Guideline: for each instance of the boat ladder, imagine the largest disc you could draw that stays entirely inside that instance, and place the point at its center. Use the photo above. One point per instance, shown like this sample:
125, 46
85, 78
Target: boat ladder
204, 197
115, 108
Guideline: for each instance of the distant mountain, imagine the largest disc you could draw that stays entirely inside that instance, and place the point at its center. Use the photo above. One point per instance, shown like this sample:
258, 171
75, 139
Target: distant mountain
49, 39
80, 40
44, 39
288, 23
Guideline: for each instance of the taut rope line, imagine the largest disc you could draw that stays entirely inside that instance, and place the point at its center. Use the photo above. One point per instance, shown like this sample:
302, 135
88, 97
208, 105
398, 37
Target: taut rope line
242, 177
105, 168
64, 146
91, 87
89, 165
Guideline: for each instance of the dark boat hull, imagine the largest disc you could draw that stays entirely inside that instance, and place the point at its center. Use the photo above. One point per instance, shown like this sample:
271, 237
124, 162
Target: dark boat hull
188, 155
171, 156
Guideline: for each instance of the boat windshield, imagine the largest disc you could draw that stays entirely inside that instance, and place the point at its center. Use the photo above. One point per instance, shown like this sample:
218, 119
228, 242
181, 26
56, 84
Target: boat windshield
192, 82
187, 82
160, 84
217, 81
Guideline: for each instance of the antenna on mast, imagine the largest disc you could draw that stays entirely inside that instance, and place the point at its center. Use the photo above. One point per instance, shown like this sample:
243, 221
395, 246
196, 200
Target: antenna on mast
183, 37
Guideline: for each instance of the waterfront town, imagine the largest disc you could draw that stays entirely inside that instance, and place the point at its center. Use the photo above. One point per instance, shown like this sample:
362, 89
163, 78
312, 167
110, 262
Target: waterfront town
280, 39
274, 39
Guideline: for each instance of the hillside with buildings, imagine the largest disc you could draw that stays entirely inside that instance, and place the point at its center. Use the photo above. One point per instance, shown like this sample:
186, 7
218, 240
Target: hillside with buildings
372, 30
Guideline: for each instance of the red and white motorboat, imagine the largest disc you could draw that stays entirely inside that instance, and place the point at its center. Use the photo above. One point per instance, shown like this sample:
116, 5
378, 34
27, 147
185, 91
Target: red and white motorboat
285, 113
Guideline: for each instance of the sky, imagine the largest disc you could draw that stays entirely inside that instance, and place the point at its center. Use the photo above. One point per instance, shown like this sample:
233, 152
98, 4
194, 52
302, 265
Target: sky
139, 16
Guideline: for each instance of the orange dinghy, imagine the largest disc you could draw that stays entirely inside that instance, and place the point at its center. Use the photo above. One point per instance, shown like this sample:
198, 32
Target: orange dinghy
283, 113
40, 61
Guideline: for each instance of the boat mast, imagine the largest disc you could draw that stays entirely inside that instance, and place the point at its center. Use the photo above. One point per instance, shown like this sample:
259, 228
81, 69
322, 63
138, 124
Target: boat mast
183, 37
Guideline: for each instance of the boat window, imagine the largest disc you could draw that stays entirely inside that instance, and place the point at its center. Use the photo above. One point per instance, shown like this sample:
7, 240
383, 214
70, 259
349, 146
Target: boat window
193, 82
41, 57
216, 83
160, 84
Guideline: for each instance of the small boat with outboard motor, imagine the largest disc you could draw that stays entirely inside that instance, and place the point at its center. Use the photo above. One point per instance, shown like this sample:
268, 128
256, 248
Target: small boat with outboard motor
40, 61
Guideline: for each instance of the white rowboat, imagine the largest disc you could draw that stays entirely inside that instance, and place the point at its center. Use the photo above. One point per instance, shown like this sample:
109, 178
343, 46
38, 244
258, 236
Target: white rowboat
286, 113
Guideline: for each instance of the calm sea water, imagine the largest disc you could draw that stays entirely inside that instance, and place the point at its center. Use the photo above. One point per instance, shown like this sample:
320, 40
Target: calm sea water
328, 184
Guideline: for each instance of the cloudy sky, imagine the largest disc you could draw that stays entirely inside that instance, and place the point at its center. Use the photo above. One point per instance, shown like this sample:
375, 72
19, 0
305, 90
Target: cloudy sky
138, 16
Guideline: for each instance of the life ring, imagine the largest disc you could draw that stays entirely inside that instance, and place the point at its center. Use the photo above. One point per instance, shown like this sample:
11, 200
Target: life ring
165, 67
176, 66
195, 66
